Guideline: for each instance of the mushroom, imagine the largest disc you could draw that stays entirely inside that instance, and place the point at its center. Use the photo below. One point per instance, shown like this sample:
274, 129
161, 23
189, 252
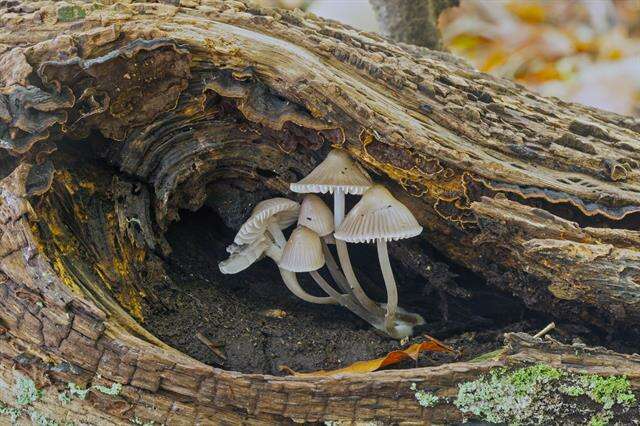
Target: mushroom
317, 216
303, 253
261, 234
379, 217
271, 215
339, 174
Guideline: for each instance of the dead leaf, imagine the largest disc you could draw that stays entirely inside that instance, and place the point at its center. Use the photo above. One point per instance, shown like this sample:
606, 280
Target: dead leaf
274, 313
394, 357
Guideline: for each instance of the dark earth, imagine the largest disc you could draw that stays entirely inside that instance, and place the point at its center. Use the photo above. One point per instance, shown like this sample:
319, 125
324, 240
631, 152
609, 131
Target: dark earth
260, 326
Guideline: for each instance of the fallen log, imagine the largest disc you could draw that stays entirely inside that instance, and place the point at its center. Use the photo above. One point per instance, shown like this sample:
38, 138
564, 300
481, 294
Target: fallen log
113, 118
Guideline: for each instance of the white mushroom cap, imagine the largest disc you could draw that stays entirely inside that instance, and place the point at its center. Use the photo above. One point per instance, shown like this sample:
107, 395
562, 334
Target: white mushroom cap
241, 257
316, 215
280, 210
303, 251
337, 171
378, 216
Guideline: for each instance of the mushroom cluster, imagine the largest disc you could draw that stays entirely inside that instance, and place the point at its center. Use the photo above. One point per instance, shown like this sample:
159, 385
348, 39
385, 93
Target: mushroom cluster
378, 217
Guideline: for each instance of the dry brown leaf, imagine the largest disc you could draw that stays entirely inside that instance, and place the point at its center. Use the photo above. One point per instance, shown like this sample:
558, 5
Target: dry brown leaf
394, 357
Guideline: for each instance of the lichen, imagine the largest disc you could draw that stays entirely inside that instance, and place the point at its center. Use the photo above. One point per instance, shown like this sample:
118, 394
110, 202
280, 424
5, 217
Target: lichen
40, 419
425, 399
114, 390
13, 413
74, 390
69, 13
26, 391
538, 394
64, 398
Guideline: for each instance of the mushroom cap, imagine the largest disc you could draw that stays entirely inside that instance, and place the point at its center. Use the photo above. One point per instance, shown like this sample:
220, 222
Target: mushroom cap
316, 215
241, 257
281, 210
303, 251
378, 216
337, 171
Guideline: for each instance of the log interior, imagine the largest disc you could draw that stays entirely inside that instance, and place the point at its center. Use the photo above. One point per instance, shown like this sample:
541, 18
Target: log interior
116, 123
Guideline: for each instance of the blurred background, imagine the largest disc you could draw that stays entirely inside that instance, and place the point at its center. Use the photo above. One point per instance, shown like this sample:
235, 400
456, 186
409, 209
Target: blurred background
585, 51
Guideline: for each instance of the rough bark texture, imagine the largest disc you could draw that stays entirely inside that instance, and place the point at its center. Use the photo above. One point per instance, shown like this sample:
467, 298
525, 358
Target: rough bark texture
412, 21
114, 117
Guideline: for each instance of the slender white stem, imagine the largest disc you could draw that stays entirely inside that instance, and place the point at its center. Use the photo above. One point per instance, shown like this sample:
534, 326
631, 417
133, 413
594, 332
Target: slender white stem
345, 261
277, 234
390, 283
333, 268
291, 281
346, 301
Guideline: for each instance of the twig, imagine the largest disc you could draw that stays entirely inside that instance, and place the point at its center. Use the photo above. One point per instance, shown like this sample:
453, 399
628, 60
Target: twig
211, 345
545, 330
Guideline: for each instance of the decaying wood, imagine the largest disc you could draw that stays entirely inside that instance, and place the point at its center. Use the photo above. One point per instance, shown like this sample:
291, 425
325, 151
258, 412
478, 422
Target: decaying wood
115, 117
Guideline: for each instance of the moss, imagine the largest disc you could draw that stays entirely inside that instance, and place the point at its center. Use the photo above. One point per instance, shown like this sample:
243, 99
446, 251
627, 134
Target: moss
609, 390
572, 390
425, 399
26, 391
539, 394
69, 13
601, 419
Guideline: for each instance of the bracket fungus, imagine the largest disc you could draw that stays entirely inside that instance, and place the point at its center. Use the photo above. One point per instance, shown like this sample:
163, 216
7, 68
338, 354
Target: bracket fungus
377, 217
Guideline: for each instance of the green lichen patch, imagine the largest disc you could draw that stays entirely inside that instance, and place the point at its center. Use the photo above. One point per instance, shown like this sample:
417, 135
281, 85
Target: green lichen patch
70, 13
13, 413
26, 391
425, 399
114, 390
77, 391
541, 394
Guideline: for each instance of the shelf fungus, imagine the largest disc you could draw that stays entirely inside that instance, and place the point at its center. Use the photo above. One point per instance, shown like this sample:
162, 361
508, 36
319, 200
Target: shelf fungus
377, 217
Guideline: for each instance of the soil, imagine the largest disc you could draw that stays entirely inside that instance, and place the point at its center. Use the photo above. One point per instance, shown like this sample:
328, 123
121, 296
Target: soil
260, 326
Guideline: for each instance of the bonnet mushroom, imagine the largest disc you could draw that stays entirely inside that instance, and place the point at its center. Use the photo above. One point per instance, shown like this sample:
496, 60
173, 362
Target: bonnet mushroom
261, 234
317, 216
338, 174
380, 217
303, 253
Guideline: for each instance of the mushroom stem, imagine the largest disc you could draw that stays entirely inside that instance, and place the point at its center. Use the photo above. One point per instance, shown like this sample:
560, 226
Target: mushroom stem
345, 300
291, 281
345, 261
277, 234
333, 267
390, 283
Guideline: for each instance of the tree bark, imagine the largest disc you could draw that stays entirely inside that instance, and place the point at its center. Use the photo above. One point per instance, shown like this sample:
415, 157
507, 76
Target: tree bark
412, 21
115, 117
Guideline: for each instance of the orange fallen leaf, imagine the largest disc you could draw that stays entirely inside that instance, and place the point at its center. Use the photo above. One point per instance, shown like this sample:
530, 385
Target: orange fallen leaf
394, 357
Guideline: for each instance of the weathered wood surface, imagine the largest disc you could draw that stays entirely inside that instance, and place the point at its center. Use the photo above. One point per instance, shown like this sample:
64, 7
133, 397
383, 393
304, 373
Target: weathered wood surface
539, 196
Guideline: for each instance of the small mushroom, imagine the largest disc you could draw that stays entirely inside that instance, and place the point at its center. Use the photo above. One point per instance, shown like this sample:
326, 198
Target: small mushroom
379, 217
261, 234
271, 215
339, 174
317, 216
303, 253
